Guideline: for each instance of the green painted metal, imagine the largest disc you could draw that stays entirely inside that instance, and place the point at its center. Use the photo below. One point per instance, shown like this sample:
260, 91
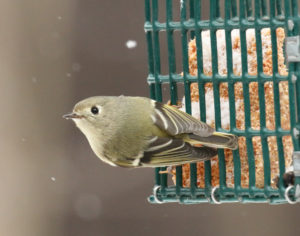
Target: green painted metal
246, 14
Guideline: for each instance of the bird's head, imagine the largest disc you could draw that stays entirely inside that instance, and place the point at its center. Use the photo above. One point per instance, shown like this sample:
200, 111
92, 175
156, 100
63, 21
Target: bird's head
89, 114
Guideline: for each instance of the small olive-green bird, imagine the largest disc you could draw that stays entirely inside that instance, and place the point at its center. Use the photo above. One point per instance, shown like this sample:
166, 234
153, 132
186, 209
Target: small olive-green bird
140, 132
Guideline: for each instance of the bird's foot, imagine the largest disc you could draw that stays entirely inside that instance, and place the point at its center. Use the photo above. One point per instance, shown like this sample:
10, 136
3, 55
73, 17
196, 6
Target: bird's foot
288, 179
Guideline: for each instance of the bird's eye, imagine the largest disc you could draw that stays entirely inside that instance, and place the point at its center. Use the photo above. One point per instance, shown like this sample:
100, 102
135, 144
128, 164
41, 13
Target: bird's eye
94, 110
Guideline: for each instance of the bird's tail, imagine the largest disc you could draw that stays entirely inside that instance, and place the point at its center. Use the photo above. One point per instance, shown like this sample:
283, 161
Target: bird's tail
216, 140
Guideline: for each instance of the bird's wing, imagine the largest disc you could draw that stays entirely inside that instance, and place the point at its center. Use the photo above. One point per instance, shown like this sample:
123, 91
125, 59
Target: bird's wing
175, 122
168, 151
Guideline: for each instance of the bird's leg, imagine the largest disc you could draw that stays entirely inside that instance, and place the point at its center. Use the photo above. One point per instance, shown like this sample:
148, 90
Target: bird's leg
288, 179
167, 171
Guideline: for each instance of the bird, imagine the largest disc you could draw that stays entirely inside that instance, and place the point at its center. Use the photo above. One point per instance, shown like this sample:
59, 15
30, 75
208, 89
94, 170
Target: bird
135, 132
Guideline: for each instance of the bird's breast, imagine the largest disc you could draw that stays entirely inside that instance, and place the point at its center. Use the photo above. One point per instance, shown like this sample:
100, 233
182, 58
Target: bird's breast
97, 145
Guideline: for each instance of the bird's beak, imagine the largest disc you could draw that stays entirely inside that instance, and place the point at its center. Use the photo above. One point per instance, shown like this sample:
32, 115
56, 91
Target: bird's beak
72, 116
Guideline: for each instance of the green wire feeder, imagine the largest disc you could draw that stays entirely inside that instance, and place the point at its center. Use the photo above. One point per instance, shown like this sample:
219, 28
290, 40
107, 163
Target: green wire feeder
232, 15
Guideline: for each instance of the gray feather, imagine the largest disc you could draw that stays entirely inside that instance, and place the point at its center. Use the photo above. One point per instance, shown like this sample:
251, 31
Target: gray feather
175, 122
168, 151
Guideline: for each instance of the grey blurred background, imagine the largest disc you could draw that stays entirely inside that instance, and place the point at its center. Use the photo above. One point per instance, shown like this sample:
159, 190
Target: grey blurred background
53, 54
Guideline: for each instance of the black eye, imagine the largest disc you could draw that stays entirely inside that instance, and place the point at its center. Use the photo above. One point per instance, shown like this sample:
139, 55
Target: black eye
94, 110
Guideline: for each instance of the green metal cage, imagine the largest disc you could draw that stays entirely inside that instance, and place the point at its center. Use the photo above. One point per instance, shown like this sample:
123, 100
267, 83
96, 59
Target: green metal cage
227, 15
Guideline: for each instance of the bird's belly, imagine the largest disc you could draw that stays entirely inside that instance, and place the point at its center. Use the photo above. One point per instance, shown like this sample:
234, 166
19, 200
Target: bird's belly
106, 160
98, 150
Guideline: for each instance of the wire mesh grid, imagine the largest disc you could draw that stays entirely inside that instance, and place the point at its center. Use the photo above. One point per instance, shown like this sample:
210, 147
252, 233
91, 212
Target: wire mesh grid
223, 15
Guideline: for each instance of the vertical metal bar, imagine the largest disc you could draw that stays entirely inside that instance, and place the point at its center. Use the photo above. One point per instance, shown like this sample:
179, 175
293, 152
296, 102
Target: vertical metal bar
171, 52
185, 57
231, 95
158, 90
178, 180
201, 88
264, 9
279, 8
187, 91
275, 67
295, 14
222, 171
192, 9
200, 61
242, 9
287, 11
214, 9
276, 93
207, 178
262, 105
147, 11
172, 71
281, 161
249, 8
214, 62
217, 7
192, 15
151, 67
149, 38
193, 166
221, 154
233, 8
214, 14
156, 50
247, 110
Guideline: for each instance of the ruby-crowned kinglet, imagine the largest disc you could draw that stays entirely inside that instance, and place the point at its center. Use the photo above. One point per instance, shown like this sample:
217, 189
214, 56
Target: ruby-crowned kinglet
140, 132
